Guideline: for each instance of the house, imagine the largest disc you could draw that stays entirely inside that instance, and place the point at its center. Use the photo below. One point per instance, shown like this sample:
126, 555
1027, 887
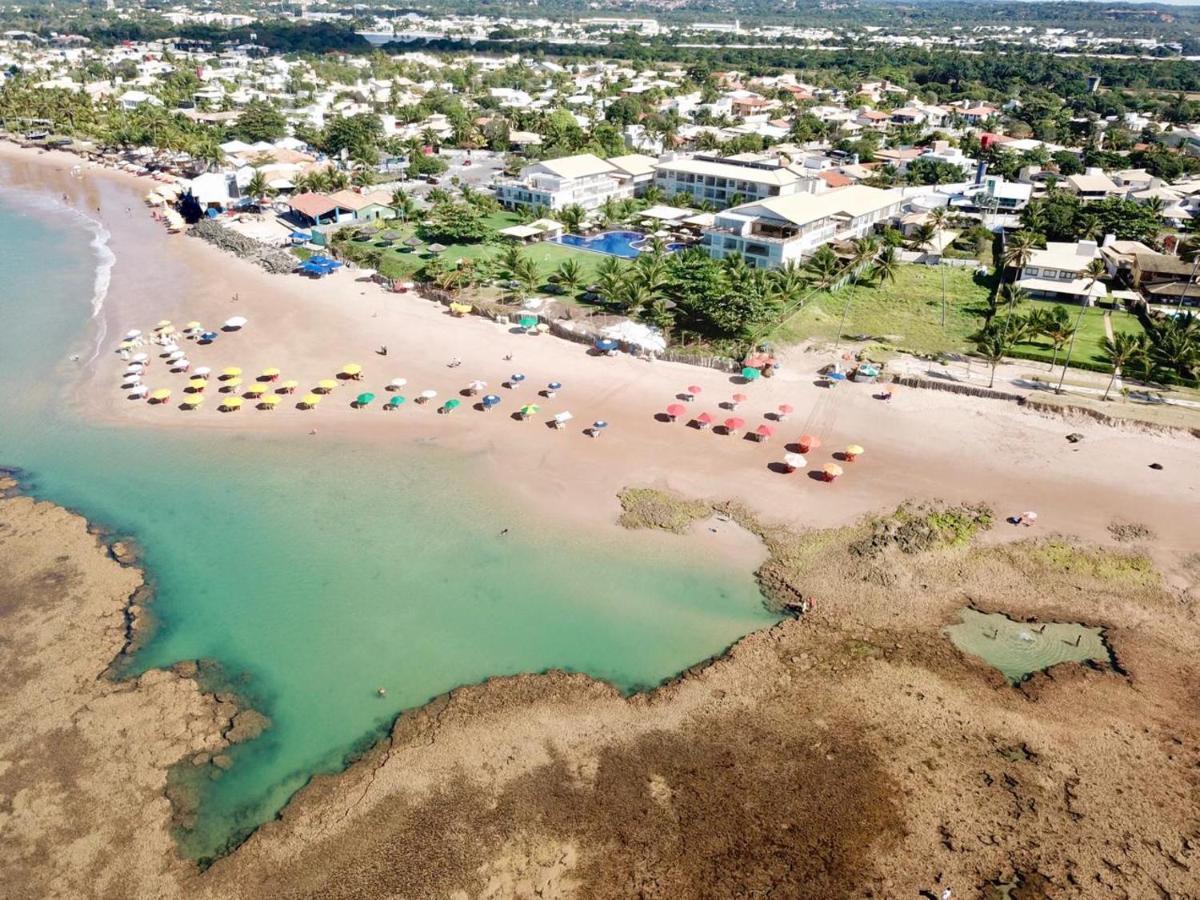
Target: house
366, 207
723, 181
1144, 268
1091, 185
585, 180
134, 99
1059, 273
318, 209
908, 115
779, 230
976, 115
638, 167
215, 190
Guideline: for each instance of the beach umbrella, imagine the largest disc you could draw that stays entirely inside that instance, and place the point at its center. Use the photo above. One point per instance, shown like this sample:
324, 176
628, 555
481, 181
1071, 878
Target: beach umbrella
764, 432
352, 369
831, 471
541, 328
395, 401
290, 385
835, 377
692, 390
191, 326
140, 357
270, 374
529, 409
528, 321
794, 461
785, 410
231, 372
675, 410
397, 383
165, 323
208, 336
140, 391
428, 395
235, 322
126, 345
268, 402
132, 334
310, 400
231, 384
175, 356
734, 425
134, 370
605, 345
562, 419
161, 395
476, 386
852, 452
808, 442
325, 385
490, 400
202, 372
750, 373
736, 399
196, 385
229, 404
704, 420
451, 405
413, 241
364, 399
180, 365
131, 381
516, 379
436, 248
599, 425
255, 390
868, 371
193, 401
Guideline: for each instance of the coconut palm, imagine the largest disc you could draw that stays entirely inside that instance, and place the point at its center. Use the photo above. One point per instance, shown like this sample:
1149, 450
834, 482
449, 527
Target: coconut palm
404, 205
633, 296
1120, 350
526, 275
1094, 271
1018, 250
569, 276
887, 265
257, 188
937, 220
991, 344
922, 237
823, 267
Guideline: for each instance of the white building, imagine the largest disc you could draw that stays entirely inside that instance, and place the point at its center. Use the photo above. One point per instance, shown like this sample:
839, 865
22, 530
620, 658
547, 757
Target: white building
770, 233
585, 180
722, 181
1058, 273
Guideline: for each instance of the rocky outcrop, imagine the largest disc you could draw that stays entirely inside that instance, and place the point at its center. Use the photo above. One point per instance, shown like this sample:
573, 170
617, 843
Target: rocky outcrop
274, 260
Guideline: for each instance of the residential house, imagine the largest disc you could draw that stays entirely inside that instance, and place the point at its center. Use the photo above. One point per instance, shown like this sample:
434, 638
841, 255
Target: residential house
779, 230
1058, 273
318, 209
366, 207
1092, 185
584, 180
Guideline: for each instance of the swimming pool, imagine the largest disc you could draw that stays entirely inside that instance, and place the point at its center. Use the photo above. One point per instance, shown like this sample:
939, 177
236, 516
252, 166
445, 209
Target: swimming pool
625, 244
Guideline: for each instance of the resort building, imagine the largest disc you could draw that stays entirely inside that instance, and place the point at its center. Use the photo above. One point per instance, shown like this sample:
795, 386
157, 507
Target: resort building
585, 180
772, 232
1059, 273
723, 182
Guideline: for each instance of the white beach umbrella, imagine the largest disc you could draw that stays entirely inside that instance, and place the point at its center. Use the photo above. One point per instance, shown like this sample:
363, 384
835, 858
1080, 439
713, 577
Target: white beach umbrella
202, 372
132, 333
133, 370
397, 383
176, 354
139, 357
140, 391
795, 461
131, 381
235, 322
563, 418
428, 395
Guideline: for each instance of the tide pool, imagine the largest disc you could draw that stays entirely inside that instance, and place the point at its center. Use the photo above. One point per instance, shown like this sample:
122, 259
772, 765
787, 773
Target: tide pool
316, 573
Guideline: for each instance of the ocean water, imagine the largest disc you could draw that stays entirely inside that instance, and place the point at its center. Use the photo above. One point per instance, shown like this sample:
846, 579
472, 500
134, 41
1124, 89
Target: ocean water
316, 574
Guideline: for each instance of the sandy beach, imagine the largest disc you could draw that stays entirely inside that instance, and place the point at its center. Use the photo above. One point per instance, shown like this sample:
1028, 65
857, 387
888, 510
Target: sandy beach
850, 752
921, 444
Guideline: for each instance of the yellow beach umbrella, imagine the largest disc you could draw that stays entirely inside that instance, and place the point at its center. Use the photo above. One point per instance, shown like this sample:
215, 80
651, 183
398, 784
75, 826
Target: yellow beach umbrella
290, 385
230, 384
326, 384
352, 369
311, 400
231, 372
854, 450
270, 373
256, 389
192, 326
160, 395
165, 323
193, 401
232, 403
196, 384
268, 401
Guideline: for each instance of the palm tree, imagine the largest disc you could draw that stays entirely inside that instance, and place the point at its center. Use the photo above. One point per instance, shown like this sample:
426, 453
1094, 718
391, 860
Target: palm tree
1095, 269
569, 275
653, 194
887, 265
937, 219
991, 345
337, 180
362, 177
1119, 350
257, 188
572, 217
510, 260
922, 237
633, 296
610, 275
526, 275
824, 267
404, 205
1018, 250
610, 210
1058, 331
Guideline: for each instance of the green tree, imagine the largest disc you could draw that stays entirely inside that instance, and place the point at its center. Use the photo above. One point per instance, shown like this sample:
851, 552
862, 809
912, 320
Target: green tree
569, 276
260, 121
1120, 350
454, 223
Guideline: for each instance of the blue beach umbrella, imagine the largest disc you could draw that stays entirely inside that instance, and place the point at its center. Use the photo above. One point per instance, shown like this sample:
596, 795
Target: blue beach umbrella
208, 336
599, 423
606, 345
516, 378
554, 386
836, 376
490, 400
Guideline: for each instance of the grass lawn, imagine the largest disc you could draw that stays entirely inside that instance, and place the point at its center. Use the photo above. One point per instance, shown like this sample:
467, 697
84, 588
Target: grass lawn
1091, 335
399, 262
905, 313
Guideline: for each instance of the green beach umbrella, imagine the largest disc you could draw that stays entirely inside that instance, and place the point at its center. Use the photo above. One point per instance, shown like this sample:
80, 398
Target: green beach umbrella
364, 399
528, 321
529, 410
750, 373
396, 400
453, 404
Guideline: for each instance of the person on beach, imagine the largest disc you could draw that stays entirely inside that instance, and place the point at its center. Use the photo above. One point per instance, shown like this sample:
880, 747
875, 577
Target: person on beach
454, 363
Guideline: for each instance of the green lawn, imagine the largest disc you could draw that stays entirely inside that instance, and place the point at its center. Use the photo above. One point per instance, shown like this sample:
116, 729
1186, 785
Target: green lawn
1090, 339
905, 313
400, 262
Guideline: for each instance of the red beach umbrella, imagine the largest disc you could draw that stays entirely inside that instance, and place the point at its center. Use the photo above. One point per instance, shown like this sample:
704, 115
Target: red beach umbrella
785, 409
693, 389
734, 424
704, 420
675, 410
764, 432
739, 398
808, 442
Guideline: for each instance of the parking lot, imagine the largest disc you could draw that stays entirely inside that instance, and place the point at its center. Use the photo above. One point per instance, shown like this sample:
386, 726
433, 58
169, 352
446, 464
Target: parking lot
478, 175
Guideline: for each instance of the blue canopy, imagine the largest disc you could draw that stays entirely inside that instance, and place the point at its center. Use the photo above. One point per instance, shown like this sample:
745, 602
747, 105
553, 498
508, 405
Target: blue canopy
208, 335
606, 345
517, 377
836, 376
300, 236
490, 400
599, 423
554, 386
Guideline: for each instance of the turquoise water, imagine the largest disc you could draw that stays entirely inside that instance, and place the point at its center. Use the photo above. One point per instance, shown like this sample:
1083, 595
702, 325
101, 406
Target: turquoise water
317, 573
624, 244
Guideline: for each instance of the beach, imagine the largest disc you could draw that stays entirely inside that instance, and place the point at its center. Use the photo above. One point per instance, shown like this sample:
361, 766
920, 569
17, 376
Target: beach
921, 444
904, 764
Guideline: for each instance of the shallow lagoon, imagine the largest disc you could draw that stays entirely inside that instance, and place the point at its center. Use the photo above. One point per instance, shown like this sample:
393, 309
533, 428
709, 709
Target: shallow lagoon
1020, 649
316, 573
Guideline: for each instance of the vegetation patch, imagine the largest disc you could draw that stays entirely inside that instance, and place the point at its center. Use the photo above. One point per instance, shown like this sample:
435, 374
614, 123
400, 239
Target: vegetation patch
921, 528
1126, 532
1063, 557
650, 508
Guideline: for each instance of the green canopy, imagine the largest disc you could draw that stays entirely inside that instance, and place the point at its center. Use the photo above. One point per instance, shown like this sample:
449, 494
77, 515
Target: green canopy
750, 373
528, 321
452, 404
396, 400
529, 410
364, 399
